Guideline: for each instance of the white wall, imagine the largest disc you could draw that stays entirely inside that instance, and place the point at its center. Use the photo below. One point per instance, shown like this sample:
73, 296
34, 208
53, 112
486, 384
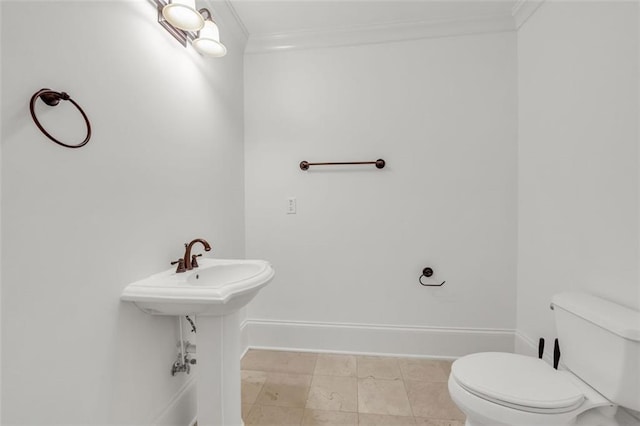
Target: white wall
442, 113
164, 165
1, 101
578, 158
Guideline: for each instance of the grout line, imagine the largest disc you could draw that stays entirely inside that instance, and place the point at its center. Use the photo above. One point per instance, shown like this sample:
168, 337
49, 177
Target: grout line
406, 391
357, 393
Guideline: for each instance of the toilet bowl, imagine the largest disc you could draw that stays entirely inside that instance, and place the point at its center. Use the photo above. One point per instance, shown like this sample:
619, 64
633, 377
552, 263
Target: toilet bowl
504, 389
600, 345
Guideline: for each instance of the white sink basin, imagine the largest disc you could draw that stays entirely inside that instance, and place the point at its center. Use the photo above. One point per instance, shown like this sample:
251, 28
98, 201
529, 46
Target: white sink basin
217, 287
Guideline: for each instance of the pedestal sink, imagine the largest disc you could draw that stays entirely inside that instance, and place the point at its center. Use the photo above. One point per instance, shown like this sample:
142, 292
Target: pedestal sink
213, 292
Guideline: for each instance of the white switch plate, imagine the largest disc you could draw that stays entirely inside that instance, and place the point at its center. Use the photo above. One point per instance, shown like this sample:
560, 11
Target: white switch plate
291, 205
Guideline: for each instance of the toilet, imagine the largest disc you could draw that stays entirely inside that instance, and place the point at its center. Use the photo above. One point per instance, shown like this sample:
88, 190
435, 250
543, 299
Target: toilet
600, 361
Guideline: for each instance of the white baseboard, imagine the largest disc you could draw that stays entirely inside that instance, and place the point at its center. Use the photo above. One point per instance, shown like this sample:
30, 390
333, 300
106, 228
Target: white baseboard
244, 338
183, 407
524, 345
433, 342
627, 417
523, 10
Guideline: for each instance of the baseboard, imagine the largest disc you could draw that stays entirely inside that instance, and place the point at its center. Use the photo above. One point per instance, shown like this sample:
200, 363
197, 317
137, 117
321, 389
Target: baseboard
183, 407
628, 417
390, 340
523, 10
244, 338
524, 345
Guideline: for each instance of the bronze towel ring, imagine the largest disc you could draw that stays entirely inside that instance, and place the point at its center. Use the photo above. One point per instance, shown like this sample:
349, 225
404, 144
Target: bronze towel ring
52, 98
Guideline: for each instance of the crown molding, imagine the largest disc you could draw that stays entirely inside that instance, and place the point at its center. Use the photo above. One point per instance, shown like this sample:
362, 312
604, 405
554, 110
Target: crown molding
237, 19
384, 33
523, 10
373, 34
228, 19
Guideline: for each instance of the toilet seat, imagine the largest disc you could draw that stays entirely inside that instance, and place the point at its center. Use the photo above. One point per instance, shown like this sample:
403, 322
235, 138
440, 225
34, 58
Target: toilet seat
519, 382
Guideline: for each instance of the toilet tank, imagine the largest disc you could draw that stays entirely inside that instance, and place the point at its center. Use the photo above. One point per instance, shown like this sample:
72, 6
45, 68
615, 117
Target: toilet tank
600, 343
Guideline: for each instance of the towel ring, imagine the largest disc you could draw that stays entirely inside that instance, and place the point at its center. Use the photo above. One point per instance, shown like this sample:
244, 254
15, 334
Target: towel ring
52, 98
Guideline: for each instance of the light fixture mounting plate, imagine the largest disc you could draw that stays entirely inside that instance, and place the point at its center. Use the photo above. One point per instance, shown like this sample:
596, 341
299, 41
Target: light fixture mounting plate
179, 34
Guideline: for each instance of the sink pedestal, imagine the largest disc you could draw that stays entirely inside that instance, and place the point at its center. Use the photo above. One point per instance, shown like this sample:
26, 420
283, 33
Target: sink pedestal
218, 370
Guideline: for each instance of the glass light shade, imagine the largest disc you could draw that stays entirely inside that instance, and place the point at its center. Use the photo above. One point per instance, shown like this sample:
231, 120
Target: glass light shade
182, 14
208, 41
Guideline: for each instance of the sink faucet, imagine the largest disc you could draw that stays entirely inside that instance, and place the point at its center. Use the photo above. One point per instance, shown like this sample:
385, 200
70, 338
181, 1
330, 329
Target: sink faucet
189, 263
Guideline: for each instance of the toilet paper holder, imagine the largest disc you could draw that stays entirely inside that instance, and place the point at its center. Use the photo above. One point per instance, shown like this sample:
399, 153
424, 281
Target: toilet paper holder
428, 272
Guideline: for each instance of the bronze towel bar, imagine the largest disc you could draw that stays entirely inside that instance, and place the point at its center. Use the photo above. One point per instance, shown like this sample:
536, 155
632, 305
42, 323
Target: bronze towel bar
380, 163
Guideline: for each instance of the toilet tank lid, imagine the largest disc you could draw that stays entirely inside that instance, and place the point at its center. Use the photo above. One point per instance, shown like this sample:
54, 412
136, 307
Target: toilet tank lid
618, 319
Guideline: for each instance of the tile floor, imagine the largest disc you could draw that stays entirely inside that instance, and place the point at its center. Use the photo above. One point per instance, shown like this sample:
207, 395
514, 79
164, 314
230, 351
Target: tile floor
294, 388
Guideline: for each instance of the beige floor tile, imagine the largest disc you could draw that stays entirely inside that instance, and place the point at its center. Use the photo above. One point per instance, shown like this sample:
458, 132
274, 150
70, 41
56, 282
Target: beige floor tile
382, 420
333, 393
383, 397
427, 370
252, 382
245, 410
329, 418
267, 415
279, 361
287, 390
375, 367
277, 386
336, 365
421, 421
446, 364
432, 400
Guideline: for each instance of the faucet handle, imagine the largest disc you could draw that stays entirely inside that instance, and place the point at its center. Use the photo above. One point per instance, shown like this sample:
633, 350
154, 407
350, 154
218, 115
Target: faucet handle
181, 267
194, 262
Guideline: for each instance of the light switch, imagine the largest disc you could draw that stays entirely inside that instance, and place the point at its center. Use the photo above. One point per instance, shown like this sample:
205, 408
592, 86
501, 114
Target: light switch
291, 205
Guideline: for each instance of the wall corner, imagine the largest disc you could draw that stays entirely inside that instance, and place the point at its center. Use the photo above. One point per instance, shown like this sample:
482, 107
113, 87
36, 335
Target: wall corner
523, 10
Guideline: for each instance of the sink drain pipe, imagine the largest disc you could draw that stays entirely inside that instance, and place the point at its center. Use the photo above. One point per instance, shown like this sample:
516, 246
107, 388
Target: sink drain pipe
181, 338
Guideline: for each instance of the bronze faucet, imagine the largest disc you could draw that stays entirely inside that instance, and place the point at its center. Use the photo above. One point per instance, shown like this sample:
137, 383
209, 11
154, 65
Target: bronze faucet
188, 262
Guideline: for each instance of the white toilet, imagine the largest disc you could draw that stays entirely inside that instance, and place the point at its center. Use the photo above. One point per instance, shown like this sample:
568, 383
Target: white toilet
600, 346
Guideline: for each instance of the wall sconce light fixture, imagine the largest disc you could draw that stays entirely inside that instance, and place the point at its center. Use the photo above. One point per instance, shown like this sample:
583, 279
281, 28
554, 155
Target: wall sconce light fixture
182, 14
181, 19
